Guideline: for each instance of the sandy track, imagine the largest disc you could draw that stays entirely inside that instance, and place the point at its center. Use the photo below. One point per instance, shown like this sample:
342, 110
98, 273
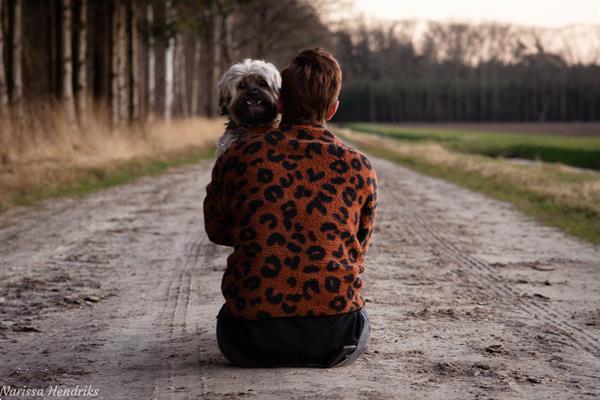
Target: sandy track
468, 299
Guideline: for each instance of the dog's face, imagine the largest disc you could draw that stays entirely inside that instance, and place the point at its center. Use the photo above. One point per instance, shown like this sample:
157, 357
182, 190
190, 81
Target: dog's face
248, 93
254, 103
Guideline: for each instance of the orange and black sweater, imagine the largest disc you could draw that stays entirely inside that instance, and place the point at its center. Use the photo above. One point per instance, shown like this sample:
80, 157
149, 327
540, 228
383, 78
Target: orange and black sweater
297, 205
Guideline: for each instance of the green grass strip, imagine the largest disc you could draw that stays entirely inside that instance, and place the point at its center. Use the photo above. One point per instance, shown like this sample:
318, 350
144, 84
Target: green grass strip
582, 152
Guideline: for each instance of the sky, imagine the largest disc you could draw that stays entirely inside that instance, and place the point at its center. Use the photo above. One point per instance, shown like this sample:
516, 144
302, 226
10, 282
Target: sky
552, 14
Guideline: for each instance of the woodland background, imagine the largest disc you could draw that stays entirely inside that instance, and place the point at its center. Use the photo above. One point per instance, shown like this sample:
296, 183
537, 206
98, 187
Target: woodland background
118, 62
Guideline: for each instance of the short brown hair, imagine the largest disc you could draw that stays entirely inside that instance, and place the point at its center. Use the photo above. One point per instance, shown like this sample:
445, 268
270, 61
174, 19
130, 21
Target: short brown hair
310, 85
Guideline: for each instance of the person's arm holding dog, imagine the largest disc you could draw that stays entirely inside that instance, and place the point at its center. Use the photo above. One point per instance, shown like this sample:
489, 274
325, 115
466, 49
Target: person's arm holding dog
217, 219
367, 211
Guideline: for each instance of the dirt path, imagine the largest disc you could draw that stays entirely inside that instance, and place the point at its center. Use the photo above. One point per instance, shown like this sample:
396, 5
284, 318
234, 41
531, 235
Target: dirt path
468, 299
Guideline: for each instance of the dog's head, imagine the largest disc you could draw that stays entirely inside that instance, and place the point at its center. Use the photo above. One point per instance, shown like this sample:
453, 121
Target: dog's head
248, 92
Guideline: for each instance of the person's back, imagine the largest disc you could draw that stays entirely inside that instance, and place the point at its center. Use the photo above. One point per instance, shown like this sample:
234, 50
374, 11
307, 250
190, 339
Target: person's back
297, 205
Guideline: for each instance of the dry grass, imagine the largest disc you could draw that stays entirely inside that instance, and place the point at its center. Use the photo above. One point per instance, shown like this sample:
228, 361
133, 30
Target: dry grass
559, 195
41, 150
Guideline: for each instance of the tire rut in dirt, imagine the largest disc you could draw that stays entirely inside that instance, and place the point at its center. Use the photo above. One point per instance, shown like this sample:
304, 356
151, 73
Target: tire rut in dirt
177, 301
411, 217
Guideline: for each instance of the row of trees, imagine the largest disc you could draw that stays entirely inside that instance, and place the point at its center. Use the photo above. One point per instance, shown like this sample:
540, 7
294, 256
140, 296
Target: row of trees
460, 72
140, 59
136, 60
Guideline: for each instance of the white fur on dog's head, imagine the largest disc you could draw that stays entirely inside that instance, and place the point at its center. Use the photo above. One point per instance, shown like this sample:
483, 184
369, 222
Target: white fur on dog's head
230, 79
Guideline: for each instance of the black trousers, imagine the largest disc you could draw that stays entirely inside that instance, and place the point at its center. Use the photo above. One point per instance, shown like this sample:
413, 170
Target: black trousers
327, 341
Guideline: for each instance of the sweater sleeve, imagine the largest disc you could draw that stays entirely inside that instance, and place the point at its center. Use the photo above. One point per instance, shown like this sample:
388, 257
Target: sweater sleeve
217, 218
367, 211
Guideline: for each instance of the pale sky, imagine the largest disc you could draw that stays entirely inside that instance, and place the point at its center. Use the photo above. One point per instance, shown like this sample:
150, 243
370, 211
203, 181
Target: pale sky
524, 12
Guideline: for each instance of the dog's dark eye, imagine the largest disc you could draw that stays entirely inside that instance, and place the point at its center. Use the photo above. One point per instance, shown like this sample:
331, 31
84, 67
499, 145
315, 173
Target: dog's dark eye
242, 85
263, 83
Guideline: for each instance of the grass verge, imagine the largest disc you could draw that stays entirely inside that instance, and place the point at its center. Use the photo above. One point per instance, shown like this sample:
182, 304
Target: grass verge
76, 182
582, 152
554, 194
65, 163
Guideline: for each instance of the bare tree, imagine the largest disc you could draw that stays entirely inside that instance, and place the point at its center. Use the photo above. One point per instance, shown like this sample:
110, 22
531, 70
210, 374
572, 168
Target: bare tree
294, 25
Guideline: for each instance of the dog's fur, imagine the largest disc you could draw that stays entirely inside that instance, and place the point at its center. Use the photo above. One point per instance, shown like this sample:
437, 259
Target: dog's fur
248, 93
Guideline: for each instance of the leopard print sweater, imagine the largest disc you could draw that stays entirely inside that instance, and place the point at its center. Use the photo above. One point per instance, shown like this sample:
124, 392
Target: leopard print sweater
297, 205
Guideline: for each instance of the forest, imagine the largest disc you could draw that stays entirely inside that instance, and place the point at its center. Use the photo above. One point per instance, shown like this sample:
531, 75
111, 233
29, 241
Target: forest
466, 72
127, 61
137, 59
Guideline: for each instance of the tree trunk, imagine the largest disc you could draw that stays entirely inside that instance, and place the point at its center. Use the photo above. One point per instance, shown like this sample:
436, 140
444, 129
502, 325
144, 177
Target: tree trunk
81, 63
17, 54
3, 85
177, 108
123, 66
196, 77
225, 41
100, 38
151, 64
232, 46
4, 113
67, 65
53, 76
206, 94
160, 45
371, 99
563, 96
135, 70
183, 77
169, 75
177, 54
482, 96
216, 62
169, 68
115, 64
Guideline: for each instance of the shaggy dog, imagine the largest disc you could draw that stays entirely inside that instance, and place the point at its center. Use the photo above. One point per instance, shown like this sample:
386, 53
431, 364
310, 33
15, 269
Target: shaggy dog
248, 94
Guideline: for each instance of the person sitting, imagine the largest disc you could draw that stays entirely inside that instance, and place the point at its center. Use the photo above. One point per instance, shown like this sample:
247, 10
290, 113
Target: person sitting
297, 205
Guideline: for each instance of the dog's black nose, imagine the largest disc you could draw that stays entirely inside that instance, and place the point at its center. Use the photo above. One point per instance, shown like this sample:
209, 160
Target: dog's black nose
253, 91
